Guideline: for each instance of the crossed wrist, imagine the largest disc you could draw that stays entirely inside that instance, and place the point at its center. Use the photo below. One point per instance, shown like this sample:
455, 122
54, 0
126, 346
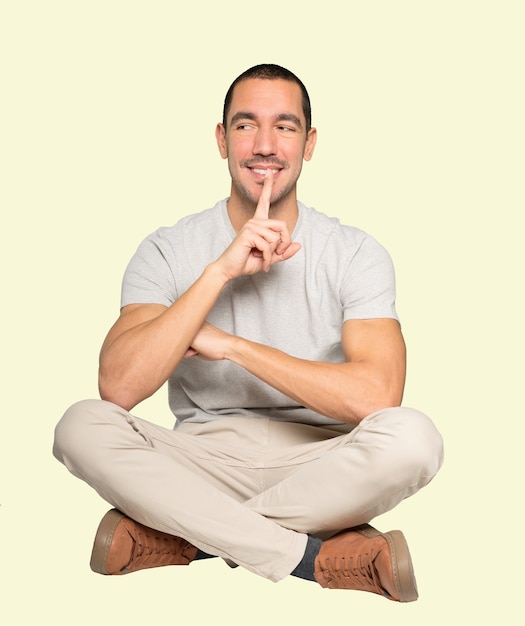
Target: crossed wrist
234, 349
216, 273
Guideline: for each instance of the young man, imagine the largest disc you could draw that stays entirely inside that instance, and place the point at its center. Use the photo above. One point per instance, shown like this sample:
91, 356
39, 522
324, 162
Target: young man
276, 328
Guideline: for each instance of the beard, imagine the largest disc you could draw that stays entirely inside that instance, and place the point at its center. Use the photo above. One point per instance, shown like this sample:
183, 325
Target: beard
250, 196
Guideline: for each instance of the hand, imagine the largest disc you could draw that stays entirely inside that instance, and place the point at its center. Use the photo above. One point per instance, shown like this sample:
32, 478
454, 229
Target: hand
209, 344
261, 243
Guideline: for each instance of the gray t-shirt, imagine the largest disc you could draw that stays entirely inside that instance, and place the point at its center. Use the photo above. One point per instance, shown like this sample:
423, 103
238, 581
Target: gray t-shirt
299, 306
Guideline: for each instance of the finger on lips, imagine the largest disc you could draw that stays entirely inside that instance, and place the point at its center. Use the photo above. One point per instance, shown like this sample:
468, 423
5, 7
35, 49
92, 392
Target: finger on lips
276, 240
263, 206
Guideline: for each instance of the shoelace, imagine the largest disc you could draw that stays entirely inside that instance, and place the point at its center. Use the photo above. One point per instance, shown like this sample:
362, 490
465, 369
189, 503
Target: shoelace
151, 547
359, 572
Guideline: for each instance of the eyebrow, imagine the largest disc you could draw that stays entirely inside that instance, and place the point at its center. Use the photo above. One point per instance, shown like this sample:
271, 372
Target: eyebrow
282, 117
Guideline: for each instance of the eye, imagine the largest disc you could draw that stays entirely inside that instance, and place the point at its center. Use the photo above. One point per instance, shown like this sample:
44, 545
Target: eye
244, 127
286, 129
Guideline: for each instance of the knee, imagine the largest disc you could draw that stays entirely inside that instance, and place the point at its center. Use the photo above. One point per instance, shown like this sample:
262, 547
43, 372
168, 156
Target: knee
73, 431
420, 444
415, 444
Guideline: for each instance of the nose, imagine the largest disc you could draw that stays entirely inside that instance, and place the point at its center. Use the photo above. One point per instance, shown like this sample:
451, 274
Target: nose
265, 143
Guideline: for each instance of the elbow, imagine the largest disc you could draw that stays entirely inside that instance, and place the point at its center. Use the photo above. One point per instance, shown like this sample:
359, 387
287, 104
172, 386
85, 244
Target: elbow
389, 398
116, 393
374, 399
110, 394
378, 404
384, 392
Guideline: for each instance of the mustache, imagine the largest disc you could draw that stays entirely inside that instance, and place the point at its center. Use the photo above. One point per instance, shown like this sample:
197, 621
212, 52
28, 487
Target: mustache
264, 161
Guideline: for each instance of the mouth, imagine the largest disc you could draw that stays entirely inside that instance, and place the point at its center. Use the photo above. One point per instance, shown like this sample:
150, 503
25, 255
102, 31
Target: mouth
260, 173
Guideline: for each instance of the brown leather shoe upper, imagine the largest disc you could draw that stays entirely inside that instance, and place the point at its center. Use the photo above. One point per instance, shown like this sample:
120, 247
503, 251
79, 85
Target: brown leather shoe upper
123, 546
364, 559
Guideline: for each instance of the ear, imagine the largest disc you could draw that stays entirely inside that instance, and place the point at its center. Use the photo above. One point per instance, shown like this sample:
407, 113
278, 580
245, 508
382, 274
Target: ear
311, 140
220, 136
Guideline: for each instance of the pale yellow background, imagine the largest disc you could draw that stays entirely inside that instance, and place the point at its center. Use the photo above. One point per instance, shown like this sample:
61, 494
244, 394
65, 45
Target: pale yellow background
107, 118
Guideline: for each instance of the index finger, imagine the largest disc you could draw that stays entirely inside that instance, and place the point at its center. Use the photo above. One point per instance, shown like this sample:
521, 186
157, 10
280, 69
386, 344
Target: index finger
263, 206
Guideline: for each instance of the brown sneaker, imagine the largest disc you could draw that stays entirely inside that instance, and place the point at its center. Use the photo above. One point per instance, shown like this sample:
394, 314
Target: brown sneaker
122, 546
366, 560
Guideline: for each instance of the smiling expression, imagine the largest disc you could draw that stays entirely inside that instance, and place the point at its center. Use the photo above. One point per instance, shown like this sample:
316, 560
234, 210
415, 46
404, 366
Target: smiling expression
266, 129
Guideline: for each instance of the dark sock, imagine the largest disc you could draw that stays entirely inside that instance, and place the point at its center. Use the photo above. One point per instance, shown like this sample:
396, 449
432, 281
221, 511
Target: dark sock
306, 567
203, 555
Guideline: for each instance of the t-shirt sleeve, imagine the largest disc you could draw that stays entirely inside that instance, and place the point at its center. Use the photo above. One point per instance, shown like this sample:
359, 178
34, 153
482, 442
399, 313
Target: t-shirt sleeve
148, 278
368, 289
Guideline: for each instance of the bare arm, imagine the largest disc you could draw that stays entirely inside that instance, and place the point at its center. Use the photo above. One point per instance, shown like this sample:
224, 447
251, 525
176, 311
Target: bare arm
372, 377
148, 341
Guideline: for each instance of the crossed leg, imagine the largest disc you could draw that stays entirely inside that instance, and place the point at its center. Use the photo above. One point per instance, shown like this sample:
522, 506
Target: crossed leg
248, 490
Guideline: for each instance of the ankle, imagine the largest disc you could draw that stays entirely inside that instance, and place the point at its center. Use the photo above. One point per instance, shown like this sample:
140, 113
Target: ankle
306, 567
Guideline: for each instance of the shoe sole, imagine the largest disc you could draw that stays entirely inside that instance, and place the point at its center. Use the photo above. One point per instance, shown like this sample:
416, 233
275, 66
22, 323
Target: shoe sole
402, 568
103, 540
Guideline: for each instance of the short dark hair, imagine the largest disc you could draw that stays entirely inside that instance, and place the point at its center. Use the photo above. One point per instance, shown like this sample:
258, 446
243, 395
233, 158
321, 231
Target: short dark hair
269, 71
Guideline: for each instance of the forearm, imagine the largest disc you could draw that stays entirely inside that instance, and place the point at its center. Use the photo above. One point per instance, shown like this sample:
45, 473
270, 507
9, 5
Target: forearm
343, 391
137, 362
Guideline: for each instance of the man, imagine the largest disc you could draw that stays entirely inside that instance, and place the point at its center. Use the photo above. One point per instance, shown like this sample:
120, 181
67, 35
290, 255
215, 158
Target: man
276, 329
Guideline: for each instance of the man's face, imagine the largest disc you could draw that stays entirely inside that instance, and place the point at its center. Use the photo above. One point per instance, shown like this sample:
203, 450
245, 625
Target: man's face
266, 129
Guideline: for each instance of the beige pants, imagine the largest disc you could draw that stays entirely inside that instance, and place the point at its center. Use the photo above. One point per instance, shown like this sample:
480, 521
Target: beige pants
249, 489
